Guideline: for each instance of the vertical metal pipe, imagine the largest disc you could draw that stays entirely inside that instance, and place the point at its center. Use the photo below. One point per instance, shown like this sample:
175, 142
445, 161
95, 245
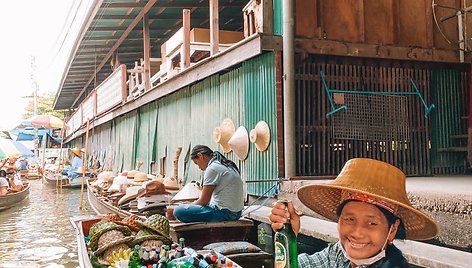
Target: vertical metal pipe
288, 86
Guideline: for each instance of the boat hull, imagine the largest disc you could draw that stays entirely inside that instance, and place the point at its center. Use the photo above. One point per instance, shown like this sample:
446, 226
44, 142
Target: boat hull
52, 180
12, 199
101, 206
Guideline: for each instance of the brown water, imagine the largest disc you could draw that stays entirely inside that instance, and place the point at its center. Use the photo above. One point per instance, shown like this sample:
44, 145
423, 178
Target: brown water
37, 232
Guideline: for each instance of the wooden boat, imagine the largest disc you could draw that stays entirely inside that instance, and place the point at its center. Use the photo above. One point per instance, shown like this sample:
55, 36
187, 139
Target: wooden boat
58, 180
196, 234
100, 204
82, 226
12, 199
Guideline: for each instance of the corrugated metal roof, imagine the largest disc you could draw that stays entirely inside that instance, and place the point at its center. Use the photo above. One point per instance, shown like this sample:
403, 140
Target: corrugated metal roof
118, 26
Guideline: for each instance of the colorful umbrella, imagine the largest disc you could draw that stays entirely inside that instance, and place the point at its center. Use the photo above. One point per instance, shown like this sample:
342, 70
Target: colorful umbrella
45, 121
11, 148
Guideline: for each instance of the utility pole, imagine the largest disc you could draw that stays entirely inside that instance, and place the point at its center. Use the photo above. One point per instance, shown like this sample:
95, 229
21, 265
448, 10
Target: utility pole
34, 85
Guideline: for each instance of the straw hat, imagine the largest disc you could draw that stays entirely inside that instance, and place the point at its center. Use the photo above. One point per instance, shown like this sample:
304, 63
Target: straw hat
131, 193
223, 133
76, 151
110, 239
118, 181
260, 136
189, 192
239, 143
131, 222
158, 225
153, 188
131, 173
140, 176
373, 182
171, 183
102, 227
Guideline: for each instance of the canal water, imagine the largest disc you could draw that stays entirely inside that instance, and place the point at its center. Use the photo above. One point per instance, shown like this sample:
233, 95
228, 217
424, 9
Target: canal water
37, 232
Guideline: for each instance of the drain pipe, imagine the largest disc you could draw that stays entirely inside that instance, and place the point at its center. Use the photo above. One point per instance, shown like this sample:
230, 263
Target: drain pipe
289, 86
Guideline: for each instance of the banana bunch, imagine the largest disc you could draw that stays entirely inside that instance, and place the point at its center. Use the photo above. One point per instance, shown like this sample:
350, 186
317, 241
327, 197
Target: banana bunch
120, 258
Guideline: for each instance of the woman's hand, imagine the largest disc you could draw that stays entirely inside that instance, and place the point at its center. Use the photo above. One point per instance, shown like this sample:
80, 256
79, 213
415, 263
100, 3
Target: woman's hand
281, 214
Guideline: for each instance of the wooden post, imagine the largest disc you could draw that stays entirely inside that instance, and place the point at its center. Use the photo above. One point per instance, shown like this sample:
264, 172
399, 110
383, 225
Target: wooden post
84, 169
147, 53
185, 48
214, 28
176, 163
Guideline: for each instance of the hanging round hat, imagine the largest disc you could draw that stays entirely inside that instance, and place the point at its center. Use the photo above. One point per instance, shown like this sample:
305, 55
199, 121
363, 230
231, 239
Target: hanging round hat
223, 133
239, 143
374, 182
260, 136
100, 228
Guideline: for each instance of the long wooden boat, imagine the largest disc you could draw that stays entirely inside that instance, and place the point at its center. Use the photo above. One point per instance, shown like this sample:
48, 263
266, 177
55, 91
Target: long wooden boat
57, 180
101, 206
82, 226
12, 199
196, 234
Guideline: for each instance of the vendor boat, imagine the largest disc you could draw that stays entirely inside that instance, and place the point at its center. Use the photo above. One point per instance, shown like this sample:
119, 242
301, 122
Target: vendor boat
11, 199
58, 180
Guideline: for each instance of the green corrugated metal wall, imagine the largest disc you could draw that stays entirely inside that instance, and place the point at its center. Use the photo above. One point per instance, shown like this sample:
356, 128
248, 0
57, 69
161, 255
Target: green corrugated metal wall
278, 17
447, 120
189, 116
260, 104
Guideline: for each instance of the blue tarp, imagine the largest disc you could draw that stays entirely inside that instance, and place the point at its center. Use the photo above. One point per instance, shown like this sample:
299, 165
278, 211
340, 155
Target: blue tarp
28, 135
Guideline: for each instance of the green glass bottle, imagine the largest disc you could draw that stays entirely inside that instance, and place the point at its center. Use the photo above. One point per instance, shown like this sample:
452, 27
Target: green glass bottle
135, 260
285, 245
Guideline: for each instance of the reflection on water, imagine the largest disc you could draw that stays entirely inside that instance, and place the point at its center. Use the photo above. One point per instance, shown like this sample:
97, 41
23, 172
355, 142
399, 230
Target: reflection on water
37, 232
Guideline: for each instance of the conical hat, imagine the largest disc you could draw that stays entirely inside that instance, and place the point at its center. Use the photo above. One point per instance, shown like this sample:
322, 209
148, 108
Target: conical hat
260, 136
239, 143
374, 182
223, 133
189, 192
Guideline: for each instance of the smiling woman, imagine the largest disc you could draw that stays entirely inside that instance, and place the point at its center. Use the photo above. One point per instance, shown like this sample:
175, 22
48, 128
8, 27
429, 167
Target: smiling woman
368, 200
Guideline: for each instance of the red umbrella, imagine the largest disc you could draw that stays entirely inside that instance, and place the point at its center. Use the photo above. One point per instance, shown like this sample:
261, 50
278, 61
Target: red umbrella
44, 121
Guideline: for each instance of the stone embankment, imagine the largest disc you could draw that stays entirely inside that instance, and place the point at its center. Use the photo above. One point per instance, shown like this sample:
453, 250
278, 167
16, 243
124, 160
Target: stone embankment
452, 212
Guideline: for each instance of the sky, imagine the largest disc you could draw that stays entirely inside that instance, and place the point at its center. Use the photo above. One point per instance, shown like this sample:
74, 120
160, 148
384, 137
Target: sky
38, 31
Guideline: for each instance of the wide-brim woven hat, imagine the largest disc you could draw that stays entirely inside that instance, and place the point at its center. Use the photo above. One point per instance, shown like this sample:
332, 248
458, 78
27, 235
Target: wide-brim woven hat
239, 143
382, 183
171, 183
130, 174
158, 224
131, 222
223, 133
260, 136
100, 228
131, 193
118, 181
110, 239
140, 177
76, 151
146, 234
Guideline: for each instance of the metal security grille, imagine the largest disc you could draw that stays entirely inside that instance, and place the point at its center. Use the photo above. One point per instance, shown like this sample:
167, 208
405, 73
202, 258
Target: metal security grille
371, 117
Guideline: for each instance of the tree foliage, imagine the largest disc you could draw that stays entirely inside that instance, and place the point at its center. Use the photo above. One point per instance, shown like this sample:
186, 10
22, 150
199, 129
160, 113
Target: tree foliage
44, 106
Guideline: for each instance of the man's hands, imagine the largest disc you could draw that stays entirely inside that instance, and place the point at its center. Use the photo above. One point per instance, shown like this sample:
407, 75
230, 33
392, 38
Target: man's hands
281, 214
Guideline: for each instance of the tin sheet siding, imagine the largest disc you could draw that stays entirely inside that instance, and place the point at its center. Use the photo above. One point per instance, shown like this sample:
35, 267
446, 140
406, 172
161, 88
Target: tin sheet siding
146, 135
260, 104
124, 136
101, 145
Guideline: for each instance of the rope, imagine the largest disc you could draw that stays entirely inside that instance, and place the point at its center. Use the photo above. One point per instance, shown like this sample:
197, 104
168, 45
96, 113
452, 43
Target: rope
272, 191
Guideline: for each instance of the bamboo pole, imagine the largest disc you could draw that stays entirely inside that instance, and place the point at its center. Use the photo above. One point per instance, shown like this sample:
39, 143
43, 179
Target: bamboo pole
84, 169
61, 152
